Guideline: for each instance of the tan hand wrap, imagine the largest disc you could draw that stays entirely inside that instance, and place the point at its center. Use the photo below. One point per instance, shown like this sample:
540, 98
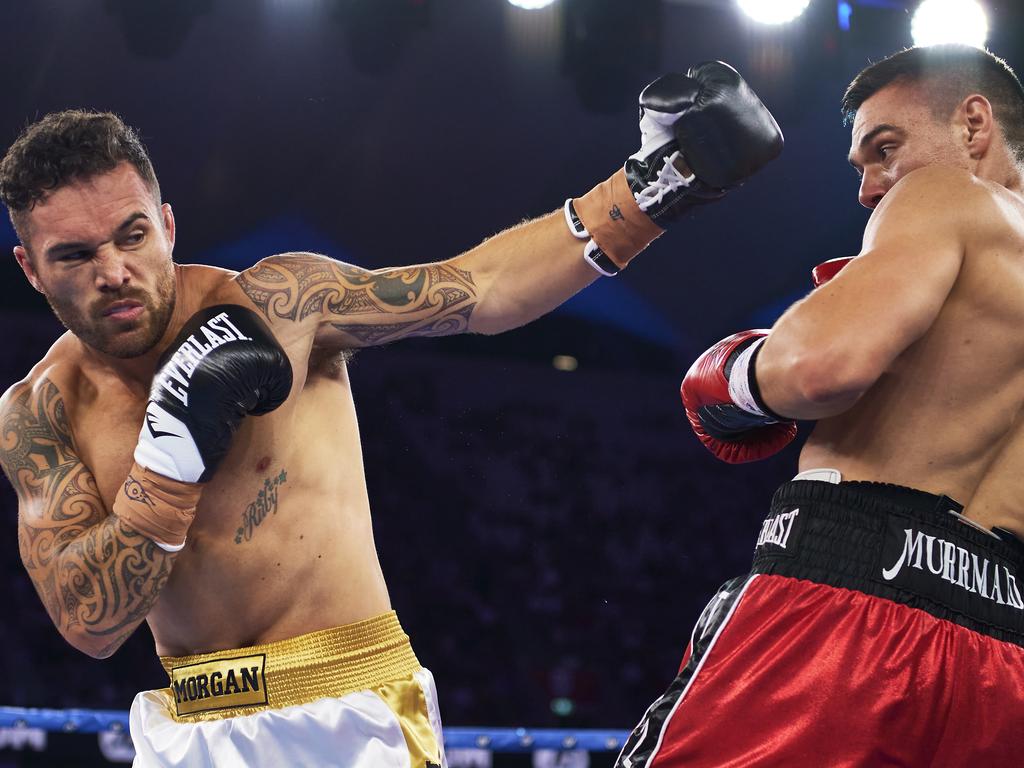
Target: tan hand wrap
157, 506
614, 220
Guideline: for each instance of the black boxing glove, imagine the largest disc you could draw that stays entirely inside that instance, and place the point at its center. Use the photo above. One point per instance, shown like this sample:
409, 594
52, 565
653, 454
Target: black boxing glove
224, 365
719, 125
707, 121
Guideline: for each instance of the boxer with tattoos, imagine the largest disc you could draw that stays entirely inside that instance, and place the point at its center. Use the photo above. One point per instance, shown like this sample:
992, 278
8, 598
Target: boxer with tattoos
136, 443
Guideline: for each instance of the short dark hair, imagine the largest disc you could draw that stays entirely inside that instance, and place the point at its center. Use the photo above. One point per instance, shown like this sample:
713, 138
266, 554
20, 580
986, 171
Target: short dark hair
950, 73
64, 147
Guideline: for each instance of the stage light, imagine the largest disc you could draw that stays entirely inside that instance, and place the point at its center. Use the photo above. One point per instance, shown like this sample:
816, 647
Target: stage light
950, 21
773, 11
844, 11
531, 5
565, 363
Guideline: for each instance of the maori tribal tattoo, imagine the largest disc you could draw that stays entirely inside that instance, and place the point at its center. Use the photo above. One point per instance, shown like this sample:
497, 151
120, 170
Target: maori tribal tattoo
264, 506
369, 306
96, 576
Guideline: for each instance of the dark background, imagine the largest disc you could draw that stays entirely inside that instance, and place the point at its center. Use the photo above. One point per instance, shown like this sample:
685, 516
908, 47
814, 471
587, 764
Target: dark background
546, 535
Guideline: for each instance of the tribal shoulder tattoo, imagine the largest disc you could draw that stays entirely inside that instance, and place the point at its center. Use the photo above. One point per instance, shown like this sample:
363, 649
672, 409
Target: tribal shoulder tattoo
368, 306
96, 577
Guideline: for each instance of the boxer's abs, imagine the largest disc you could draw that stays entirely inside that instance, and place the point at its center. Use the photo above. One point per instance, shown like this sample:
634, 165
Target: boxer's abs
282, 542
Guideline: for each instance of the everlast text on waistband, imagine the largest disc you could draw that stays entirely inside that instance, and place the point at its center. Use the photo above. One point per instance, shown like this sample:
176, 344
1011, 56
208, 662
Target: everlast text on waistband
777, 528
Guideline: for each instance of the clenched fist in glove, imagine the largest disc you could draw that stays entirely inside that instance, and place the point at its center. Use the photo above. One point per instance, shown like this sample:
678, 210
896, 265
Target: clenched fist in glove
224, 365
724, 408
702, 134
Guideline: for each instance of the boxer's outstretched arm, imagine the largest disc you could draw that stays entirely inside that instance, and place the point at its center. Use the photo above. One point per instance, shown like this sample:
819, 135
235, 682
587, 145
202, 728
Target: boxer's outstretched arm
504, 282
701, 134
96, 576
831, 347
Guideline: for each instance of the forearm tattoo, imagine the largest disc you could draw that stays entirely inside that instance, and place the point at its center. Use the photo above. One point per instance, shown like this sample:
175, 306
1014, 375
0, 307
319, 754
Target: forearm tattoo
370, 307
96, 576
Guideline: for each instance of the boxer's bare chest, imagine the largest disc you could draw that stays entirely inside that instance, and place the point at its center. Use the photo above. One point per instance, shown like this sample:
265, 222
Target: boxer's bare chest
107, 412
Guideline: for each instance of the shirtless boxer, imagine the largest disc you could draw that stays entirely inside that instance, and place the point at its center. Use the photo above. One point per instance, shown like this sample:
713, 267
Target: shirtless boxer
882, 621
236, 522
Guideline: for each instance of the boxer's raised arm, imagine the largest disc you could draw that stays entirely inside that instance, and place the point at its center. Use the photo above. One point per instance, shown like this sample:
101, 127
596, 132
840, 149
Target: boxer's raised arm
701, 134
506, 281
831, 347
97, 576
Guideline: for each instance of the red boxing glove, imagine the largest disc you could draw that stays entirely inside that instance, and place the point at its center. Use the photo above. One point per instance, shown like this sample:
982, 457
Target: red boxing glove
724, 412
824, 272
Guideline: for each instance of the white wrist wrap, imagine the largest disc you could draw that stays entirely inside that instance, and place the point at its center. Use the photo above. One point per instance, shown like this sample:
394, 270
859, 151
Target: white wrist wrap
573, 221
739, 380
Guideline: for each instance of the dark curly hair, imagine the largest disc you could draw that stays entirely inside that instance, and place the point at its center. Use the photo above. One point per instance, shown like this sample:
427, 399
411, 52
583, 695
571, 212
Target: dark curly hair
64, 147
949, 74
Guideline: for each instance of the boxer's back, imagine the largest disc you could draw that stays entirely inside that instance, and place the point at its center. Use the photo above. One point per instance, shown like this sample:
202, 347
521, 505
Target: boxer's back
944, 412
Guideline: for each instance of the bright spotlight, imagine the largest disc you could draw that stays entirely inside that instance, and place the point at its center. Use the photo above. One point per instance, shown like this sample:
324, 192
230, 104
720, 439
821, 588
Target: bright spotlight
950, 21
773, 11
531, 5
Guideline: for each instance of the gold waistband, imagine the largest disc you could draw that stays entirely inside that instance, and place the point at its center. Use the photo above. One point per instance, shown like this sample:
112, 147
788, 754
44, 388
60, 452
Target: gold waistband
329, 662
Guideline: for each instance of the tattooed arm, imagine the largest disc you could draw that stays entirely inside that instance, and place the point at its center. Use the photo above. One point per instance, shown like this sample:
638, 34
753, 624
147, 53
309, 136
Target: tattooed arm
96, 576
504, 282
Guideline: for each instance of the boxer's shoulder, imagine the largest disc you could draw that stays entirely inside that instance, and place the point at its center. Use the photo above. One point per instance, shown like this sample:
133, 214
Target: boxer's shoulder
205, 286
59, 369
202, 285
941, 201
934, 190
37, 410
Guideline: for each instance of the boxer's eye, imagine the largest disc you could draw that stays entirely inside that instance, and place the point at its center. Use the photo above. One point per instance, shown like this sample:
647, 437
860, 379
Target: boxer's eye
135, 238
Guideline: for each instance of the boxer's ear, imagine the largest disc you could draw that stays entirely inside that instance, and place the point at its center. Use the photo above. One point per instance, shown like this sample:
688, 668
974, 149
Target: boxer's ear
25, 262
168, 221
975, 116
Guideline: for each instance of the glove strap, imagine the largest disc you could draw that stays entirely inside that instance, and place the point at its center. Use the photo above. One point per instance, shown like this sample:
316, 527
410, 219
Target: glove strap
743, 388
599, 260
158, 507
573, 221
611, 216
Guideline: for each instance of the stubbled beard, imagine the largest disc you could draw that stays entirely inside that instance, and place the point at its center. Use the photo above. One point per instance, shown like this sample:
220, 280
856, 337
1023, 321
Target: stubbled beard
94, 330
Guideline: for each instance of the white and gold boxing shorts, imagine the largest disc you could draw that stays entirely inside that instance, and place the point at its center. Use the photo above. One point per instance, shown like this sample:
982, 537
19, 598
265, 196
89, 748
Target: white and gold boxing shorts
352, 696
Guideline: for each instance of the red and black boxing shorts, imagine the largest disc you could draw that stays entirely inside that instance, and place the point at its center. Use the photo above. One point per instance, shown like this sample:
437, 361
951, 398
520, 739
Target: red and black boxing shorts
877, 628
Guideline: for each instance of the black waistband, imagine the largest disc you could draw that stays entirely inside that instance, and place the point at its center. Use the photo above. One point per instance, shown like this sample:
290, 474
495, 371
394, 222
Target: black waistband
897, 543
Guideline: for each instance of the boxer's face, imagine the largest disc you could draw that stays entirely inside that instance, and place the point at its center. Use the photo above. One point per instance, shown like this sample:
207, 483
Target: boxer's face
100, 251
894, 133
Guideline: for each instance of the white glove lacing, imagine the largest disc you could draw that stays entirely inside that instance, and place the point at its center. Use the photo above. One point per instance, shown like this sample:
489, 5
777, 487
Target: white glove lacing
669, 180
